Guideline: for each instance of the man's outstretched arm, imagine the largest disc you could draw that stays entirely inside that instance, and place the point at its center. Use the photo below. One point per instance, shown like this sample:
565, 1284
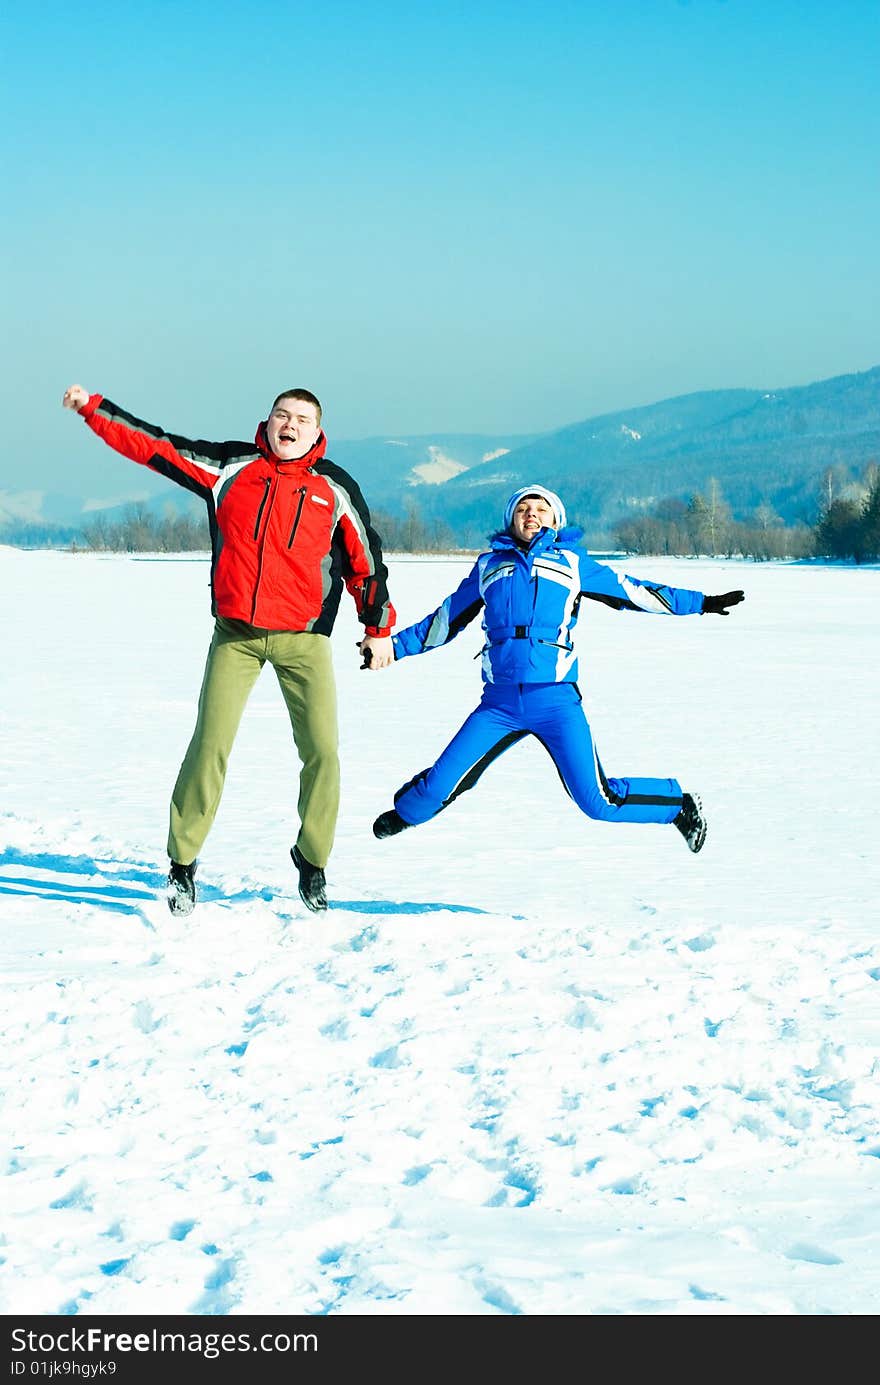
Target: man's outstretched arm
194, 464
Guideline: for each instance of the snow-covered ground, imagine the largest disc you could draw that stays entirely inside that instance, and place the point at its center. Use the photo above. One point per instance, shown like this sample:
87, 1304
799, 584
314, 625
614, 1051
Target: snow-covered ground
527, 1063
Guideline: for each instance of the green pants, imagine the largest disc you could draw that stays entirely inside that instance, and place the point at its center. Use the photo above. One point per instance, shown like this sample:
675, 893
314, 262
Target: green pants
304, 668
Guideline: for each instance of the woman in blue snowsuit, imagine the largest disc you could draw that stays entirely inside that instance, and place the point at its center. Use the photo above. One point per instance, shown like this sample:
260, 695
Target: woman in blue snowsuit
529, 586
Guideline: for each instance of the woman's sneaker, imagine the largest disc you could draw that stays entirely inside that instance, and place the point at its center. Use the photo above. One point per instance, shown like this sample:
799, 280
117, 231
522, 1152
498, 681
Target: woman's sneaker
312, 884
690, 821
181, 889
389, 824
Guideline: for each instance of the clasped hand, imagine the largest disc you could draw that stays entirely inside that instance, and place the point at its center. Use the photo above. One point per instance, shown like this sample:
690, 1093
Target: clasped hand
377, 651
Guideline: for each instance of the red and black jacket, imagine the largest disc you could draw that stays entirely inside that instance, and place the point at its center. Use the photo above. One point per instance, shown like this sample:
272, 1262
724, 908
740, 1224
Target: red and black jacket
284, 535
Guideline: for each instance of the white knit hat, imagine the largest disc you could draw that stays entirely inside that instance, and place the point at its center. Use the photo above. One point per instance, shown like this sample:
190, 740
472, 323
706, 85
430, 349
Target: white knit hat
550, 496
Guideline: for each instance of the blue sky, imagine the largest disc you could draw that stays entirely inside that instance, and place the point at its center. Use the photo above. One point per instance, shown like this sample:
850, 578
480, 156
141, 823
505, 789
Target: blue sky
475, 217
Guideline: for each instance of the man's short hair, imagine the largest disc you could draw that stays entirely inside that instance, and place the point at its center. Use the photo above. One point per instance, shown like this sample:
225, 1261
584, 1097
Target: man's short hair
305, 395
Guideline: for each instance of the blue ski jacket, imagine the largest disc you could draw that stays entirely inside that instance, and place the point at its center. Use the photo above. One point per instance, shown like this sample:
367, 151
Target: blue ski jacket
530, 600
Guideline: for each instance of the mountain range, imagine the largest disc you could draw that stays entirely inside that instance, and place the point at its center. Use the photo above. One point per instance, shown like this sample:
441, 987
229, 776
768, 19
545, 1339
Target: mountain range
762, 447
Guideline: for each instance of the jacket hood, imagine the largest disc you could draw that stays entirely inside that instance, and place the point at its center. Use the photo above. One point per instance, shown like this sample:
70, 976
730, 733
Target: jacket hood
314, 454
544, 538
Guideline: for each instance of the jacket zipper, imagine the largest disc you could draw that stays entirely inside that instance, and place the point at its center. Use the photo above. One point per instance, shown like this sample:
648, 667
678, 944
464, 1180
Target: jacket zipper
267, 483
296, 518
533, 584
262, 549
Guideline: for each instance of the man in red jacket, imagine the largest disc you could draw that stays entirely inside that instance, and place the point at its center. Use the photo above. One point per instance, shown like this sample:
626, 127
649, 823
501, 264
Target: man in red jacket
287, 529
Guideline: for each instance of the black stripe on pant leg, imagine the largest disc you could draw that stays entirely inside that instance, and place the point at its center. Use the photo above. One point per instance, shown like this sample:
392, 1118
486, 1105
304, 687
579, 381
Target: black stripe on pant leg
614, 798
555, 766
667, 800
410, 783
468, 780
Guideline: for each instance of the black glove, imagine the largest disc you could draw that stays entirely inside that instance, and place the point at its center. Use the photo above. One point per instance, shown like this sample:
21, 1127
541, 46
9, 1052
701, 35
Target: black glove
717, 605
366, 654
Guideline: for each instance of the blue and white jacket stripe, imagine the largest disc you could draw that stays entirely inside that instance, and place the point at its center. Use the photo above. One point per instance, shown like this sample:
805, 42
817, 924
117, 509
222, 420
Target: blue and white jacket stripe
530, 599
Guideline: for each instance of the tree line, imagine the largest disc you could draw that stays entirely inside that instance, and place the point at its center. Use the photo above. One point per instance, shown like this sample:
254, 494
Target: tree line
138, 529
847, 527
849, 522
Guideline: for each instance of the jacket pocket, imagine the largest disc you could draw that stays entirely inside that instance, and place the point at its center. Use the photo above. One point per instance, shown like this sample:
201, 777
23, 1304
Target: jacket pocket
298, 516
266, 484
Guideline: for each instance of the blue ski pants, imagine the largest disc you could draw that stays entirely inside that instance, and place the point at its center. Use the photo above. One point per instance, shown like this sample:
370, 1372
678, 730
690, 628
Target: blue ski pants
553, 713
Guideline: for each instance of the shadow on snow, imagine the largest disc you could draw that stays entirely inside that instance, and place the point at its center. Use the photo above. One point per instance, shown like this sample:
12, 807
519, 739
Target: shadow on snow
125, 890
388, 906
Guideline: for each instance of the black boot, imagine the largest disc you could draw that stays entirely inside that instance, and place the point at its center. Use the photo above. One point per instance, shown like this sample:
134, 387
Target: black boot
389, 824
691, 821
312, 884
181, 888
